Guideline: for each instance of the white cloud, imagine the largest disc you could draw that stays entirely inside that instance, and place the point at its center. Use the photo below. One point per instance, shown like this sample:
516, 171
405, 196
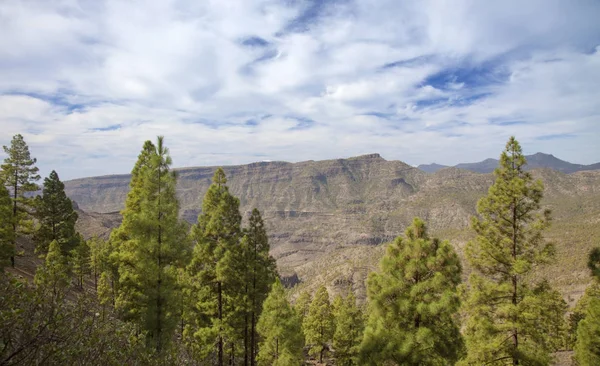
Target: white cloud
86, 82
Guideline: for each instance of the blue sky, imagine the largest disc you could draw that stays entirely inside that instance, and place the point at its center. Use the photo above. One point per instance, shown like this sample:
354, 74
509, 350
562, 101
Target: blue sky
238, 81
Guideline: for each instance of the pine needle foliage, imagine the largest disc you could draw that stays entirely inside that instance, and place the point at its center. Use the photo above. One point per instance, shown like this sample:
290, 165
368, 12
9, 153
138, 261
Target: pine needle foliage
348, 330
280, 331
261, 274
319, 324
413, 303
501, 304
154, 245
56, 217
19, 174
7, 247
587, 347
210, 317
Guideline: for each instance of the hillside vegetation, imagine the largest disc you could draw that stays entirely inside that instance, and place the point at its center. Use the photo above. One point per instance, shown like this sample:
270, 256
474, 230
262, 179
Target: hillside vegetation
479, 275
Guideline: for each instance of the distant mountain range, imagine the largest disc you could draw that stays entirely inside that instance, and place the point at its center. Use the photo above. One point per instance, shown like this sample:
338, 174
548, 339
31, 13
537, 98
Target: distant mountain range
327, 219
538, 160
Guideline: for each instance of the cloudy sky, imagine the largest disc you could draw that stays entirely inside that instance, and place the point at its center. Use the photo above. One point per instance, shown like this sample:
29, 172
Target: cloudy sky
238, 81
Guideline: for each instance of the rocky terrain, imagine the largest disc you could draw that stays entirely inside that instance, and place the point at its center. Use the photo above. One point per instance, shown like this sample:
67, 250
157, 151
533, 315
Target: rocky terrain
327, 220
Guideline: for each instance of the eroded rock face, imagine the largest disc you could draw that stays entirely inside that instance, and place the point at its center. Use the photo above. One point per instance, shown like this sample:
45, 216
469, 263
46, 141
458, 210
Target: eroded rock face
290, 280
316, 211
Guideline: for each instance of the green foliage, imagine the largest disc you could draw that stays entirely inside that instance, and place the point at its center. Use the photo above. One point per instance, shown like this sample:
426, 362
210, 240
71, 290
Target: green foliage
501, 306
280, 331
97, 257
587, 348
56, 217
19, 174
155, 245
594, 262
7, 247
303, 304
549, 316
318, 326
35, 330
53, 275
80, 258
261, 273
348, 330
212, 314
578, 313
413, 303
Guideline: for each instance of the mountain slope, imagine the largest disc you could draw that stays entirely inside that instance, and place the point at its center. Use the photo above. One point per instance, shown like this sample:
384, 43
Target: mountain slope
340, 211
431, 168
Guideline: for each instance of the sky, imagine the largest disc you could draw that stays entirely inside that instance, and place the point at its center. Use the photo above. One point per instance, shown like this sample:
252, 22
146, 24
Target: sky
239, 81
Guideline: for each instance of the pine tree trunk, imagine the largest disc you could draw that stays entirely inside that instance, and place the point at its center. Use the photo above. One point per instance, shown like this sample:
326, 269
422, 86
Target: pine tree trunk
322, 347
252, 338
246, 339
220, 314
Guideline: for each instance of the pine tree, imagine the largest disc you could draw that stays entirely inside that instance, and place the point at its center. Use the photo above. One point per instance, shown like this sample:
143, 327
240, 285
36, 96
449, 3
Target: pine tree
56, 217
120, 235
318, 324
303, 304
156, 246
280, 331
98, 253
80, 258
413, 302
509, 245
216, 234
587, 347
19, 174
7, 247
52, 278
348, 330
578, 313
261, 275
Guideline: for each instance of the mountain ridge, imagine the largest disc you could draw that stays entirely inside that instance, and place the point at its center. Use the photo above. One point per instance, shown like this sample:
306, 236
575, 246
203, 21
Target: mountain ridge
342, 211
534, 161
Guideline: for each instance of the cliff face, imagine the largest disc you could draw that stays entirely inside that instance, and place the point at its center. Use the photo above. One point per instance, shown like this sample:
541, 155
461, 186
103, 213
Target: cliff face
338, 211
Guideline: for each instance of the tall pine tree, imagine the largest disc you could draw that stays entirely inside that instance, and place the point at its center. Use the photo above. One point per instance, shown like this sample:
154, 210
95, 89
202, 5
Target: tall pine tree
56, 216
108, 286
155, 247
509, 245
209, 318
280, 331
318, 325
587, 347
262, 273
348, 330
19, 174
7, 247
413, 302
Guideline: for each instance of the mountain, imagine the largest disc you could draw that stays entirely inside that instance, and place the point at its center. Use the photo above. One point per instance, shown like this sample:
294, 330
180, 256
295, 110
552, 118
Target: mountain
538, 160
486, 166
327, 220
431, 168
